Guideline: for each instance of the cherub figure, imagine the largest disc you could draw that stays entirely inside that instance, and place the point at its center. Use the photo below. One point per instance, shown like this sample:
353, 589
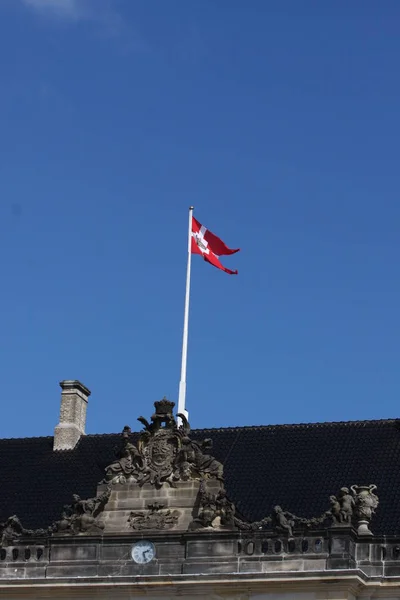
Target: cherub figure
335, 510
283, 521
347, 504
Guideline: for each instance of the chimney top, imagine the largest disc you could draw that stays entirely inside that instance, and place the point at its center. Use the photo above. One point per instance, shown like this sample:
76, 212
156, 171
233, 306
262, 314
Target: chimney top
74, 400
73, 384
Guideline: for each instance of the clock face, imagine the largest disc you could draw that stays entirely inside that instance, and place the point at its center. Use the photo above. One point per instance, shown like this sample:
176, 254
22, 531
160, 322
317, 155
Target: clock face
143, 552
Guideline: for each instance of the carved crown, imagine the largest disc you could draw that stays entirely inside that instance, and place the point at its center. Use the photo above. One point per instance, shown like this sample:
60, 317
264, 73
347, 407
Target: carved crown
164, 407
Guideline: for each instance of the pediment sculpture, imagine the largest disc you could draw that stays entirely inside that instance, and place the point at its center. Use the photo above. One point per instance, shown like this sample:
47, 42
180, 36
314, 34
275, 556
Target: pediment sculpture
82, 516
164, 453
213, 507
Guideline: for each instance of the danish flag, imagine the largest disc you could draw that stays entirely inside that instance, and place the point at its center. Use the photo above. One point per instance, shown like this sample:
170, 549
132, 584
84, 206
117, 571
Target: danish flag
210, 246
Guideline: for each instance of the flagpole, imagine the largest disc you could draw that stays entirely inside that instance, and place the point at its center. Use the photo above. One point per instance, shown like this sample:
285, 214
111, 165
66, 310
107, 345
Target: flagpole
182, 383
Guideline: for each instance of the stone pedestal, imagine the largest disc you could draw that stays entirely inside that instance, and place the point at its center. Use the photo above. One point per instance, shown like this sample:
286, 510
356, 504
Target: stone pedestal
363, 528
164, 509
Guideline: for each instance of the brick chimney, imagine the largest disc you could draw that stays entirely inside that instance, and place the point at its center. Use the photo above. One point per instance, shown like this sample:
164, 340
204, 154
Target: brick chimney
74, 399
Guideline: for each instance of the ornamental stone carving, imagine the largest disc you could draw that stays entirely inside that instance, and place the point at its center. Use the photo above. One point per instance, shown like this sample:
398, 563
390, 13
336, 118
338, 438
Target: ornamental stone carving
213, 508
193, 460
81, 516
154, 519
342, 507
354, 509
12, 529
366, 503
164, 453
283, 522
225, 509
129, 464
347, 509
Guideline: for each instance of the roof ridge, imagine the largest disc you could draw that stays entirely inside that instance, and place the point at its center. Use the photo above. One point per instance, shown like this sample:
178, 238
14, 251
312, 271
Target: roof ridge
32, 437
315, 424
301, 425
279, 425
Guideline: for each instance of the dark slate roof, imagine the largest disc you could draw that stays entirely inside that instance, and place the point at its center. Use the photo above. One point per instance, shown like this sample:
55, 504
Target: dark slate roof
296, 466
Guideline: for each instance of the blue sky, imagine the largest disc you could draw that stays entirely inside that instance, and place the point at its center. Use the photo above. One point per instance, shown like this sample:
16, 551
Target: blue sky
279, 120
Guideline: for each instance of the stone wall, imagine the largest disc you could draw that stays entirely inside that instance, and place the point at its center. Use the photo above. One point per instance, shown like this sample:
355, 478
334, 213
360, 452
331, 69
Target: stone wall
130, 498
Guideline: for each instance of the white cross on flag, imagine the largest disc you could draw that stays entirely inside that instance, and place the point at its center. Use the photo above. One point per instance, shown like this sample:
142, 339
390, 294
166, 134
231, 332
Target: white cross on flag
210, 246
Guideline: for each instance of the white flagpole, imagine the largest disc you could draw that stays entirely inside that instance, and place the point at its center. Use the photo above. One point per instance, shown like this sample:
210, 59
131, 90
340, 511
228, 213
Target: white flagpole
182, 383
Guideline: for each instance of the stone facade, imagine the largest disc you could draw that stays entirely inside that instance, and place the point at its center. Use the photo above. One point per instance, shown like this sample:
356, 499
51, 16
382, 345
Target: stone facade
213, 563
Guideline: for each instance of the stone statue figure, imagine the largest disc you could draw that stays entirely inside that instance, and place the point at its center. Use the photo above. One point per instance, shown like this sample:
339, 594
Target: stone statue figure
208, 511
346, 502
212, 506
356, 508
201, 465
184, 471
225, 509
10, 529
342, 507
129, 465
283, 521
81, 516
335, 509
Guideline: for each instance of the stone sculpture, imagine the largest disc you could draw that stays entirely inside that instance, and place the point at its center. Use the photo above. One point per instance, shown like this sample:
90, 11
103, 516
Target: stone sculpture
154, 519
335, 509
283, 521
225, 509
81, 516
207, 508
355, 508
12, 528
347, 504
164, 453
342, 507
366, 502
347, 509
211, 507
129, 465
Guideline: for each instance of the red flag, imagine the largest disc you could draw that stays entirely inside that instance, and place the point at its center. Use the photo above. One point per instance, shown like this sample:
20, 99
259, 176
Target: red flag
210, 246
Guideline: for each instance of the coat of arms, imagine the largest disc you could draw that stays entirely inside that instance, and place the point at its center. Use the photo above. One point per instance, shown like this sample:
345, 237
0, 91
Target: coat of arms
163, 453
